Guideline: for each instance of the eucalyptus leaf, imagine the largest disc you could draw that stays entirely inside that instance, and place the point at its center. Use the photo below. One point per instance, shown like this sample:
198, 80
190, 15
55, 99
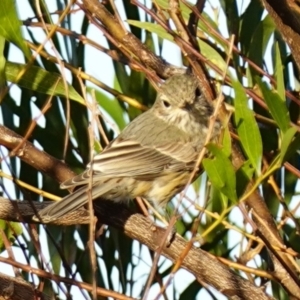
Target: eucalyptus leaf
280, 86
10, 26
2, 64
247, 127
276, 105
39, 80
154, 28
287, 142
112, 107
220, 172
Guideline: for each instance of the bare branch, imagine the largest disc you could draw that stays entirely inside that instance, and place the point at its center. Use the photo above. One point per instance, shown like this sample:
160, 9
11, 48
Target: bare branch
38, 159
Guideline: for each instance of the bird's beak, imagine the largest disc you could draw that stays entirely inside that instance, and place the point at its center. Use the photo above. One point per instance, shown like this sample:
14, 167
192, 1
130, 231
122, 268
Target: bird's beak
187, 106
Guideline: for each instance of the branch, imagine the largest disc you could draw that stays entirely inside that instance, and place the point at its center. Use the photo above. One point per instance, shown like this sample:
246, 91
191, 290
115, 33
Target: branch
267, 231
39, 160
128, 41
137, 227
18, 289
119, 216
286, 15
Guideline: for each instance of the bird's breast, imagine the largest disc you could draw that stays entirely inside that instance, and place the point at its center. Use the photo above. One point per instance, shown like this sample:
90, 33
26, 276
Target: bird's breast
164, 188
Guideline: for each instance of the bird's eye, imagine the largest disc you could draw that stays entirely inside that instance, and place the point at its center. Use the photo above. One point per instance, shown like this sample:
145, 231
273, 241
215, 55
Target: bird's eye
197, 92
166, 103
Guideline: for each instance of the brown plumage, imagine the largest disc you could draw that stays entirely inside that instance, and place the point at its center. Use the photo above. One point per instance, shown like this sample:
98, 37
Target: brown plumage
153, 157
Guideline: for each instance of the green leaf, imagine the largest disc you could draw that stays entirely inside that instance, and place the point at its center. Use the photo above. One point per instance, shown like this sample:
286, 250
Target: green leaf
276, 105
122, 78
15, 228
10, 26
221, 172
190, 291
260, 39
243, 176
55, 257
249, 22
154, 28
11, 231
258, 44
287, 142
278, 73
214, 56
226, 142
2, 64
218, 202
39, 80
197, 184
230, 8
289, 145
165, 5
247, 127
112, 107
136, 90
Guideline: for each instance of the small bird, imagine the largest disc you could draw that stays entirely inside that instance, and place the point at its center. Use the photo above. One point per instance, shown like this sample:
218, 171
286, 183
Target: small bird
153, 157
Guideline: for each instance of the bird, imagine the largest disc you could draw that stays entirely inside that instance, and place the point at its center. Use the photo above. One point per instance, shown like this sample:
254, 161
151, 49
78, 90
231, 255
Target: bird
153, 157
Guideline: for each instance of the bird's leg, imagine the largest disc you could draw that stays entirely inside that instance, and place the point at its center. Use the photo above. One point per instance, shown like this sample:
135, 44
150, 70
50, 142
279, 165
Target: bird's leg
158, 212
171, 221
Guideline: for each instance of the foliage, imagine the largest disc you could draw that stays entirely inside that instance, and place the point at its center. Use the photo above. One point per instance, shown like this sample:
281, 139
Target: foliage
56, 91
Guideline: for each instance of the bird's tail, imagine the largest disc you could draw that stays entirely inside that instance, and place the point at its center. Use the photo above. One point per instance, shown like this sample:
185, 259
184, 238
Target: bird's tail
70, 203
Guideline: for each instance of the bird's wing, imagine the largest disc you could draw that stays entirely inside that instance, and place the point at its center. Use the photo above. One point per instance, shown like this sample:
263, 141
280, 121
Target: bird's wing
128, 158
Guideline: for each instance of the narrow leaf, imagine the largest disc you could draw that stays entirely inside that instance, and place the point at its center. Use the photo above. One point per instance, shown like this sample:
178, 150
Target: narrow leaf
247, 127
39, 80
112, 107
276, 105
154, 28
286, 143
220, 172
2, 64
10, 26
289, 145
279, 73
